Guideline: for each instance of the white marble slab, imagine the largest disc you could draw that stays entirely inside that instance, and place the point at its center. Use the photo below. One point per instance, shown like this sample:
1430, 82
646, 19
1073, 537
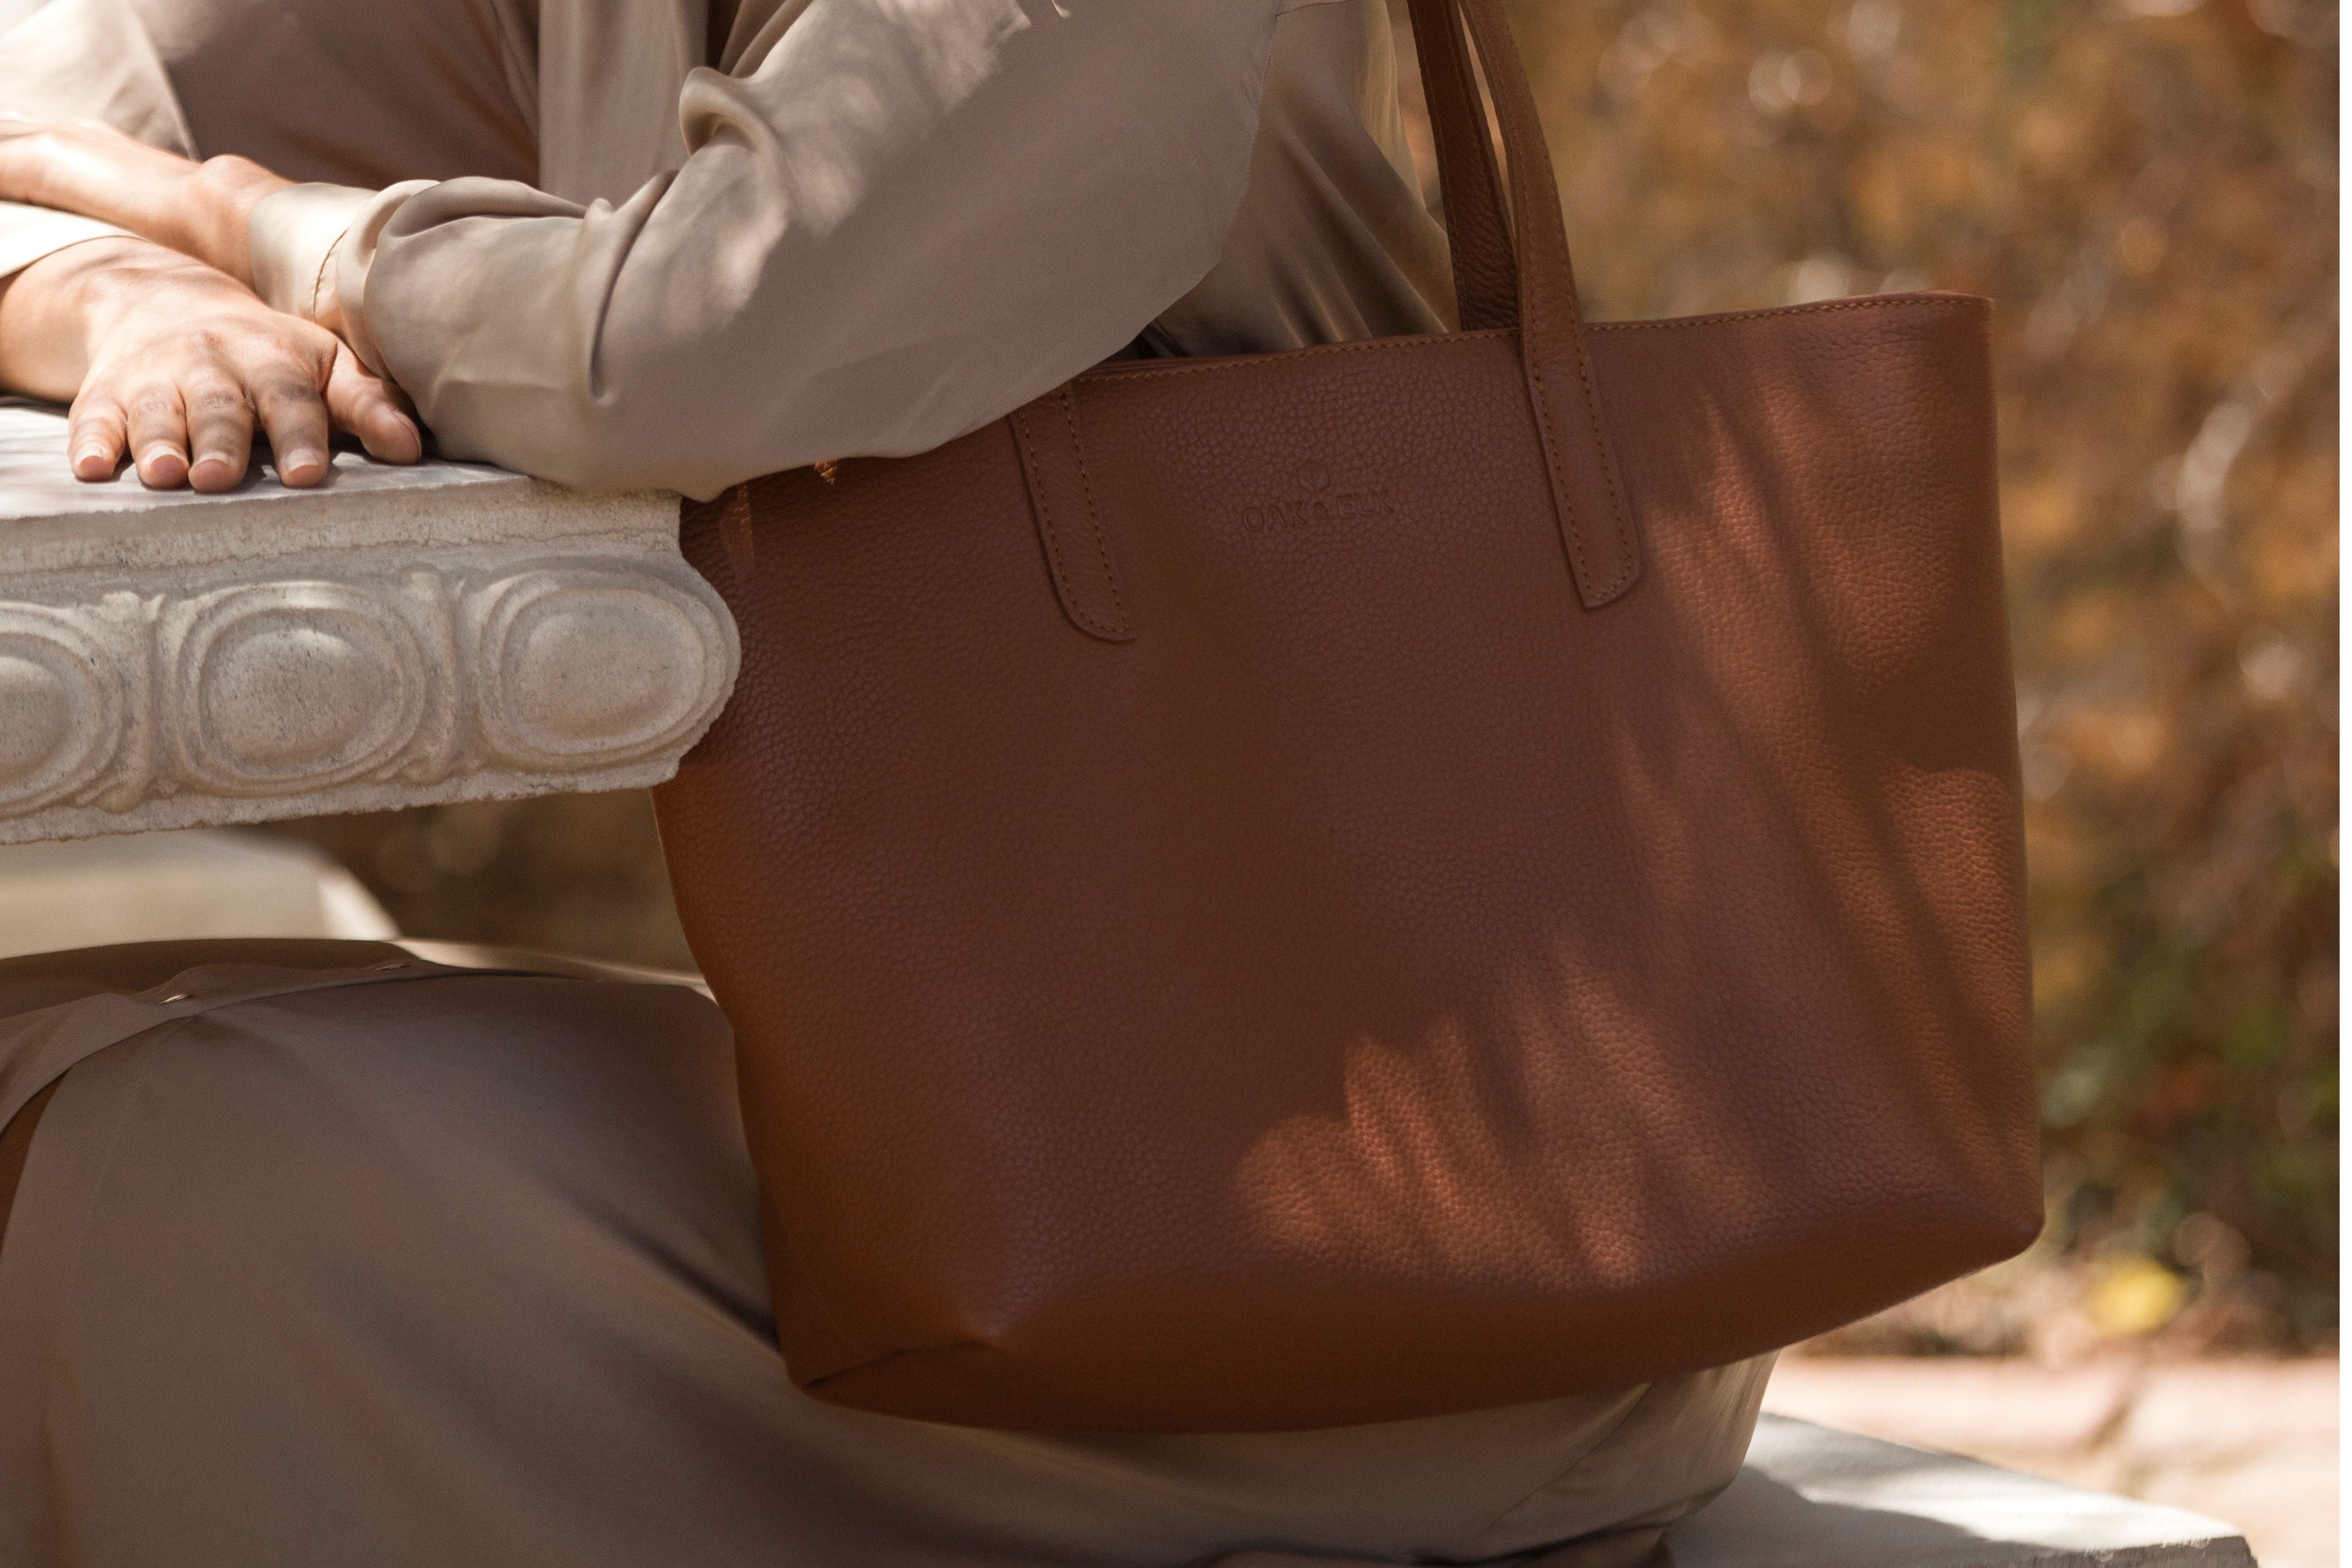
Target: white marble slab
1811, 1497
398, 637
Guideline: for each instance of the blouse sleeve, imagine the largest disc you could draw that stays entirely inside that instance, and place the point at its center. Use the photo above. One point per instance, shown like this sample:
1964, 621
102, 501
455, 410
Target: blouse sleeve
79, 59
29, 233
912, 217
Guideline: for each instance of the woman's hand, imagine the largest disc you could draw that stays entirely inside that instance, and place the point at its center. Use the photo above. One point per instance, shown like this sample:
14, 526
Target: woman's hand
198, 209
176, 363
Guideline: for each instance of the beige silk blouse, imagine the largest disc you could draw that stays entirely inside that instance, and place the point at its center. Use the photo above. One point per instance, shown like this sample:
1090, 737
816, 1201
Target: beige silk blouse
864, 227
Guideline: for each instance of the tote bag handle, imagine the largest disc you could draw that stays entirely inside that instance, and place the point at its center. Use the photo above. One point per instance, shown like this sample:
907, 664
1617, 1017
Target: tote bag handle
1514, 272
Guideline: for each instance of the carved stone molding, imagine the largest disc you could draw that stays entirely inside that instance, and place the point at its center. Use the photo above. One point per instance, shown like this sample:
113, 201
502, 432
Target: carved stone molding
404, 637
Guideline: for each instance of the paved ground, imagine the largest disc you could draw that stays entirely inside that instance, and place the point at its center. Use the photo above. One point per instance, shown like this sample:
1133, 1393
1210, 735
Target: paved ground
2252, 1442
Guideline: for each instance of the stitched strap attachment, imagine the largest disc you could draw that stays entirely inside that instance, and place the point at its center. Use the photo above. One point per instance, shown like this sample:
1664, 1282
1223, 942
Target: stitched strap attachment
1069, 523
1596, 520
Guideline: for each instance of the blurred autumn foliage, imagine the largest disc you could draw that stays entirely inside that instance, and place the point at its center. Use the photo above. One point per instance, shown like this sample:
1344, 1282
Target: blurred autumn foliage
2147, 188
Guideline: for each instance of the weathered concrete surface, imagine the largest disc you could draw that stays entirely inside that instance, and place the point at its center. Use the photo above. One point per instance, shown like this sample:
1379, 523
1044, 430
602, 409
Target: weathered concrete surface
1813, 1497
2253, 1442
401, 636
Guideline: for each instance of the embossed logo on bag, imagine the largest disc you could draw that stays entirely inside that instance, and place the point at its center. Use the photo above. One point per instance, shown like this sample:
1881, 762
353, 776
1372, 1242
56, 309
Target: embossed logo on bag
1317, 500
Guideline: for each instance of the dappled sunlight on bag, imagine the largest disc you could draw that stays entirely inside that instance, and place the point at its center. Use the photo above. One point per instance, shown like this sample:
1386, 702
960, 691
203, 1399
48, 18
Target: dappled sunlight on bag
1395, 878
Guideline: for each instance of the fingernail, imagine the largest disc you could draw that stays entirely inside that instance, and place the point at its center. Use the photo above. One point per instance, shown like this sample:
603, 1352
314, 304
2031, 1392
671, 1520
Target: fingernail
94, 463
394, 438
302, 460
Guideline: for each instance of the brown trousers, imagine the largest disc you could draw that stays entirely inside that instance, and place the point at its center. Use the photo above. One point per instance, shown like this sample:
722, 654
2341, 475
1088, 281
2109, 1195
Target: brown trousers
16, 1144
327, 1254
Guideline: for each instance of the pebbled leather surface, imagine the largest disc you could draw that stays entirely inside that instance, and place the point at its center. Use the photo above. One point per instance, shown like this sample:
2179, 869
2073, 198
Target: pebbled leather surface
1384, 987
1247, 902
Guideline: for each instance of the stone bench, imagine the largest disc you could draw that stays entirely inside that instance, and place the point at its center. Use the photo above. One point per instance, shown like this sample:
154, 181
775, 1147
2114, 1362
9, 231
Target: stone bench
402, 637
1811, 1497
410, 636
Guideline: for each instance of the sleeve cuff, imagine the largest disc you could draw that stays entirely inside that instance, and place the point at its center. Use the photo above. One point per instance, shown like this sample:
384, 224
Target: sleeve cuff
344, 289
30, 233
292, 234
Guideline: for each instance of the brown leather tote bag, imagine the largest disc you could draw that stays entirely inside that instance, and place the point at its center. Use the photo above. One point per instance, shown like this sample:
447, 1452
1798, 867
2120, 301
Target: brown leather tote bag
1390, 878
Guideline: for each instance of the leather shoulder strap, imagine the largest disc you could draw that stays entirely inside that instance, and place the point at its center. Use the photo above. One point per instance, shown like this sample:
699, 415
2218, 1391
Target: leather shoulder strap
1511, 268
1596, 521
1069, 523
1477, 230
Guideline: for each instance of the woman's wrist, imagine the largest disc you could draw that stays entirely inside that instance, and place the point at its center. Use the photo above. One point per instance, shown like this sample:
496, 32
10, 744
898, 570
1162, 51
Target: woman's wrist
202, 210
47, 322
217, 212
